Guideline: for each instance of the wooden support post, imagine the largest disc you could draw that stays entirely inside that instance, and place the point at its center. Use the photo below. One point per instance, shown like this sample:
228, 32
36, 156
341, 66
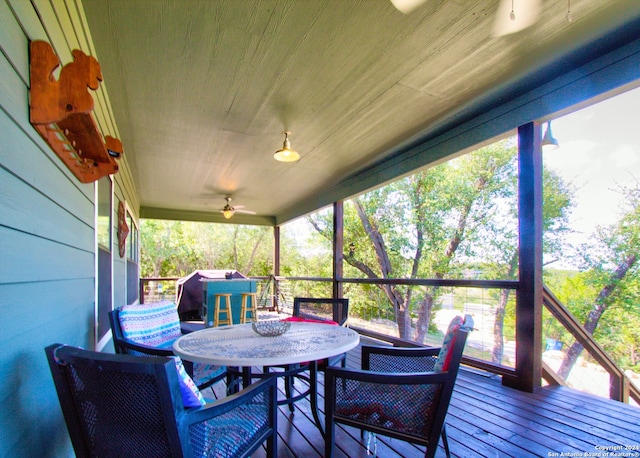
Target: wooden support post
276, 265
338, 247
529, 293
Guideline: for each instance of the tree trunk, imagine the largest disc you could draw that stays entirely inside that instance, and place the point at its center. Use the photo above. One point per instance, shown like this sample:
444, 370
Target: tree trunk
599, 307
252, 258
424, 314
498, 326
391, 291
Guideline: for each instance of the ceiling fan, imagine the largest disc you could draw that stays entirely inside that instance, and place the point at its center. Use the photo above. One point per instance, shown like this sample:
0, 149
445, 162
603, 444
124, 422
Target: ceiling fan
228, 211
512, 15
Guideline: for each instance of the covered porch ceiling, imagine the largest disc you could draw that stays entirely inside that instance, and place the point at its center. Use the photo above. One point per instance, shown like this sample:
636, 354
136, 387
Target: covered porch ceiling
201, 90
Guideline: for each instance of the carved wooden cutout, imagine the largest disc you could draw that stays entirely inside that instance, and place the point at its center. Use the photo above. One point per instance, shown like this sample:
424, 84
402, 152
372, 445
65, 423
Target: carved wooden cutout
123, 229
60, 110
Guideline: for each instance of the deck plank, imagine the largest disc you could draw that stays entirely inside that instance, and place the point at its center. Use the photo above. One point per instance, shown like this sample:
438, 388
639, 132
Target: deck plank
485, 419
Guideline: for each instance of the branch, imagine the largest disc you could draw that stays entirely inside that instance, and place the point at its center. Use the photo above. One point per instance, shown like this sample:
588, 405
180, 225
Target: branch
376, 239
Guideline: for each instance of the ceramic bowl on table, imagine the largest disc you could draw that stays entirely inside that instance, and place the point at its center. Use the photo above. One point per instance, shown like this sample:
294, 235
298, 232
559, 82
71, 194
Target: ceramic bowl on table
270, 328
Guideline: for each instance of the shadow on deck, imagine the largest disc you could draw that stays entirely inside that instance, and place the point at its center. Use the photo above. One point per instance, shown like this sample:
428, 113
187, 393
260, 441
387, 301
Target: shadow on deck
486, 419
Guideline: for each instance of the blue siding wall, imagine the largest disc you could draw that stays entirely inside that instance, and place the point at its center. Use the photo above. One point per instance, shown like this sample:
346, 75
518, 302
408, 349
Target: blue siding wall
47, 239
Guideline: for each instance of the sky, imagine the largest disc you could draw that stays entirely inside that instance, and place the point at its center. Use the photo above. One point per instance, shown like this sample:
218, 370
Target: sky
599, 150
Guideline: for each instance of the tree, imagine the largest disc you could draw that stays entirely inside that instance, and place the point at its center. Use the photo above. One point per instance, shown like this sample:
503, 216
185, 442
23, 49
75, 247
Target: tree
498, 241
612, 261
176, 248
414, 227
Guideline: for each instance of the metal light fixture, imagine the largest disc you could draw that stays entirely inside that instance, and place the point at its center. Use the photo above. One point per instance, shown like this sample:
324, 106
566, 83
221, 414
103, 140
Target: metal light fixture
228, 211
286, 154
549, 142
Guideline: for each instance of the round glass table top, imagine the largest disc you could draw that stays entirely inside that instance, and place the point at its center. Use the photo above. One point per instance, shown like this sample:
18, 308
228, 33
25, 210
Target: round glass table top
240, 346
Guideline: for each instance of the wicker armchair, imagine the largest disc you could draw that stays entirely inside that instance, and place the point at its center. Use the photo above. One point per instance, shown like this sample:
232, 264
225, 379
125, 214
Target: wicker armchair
155, 328
400, 393
122, 405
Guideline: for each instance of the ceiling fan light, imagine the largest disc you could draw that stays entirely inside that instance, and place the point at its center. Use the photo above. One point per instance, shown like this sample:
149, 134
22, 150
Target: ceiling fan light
227, 212
286, 154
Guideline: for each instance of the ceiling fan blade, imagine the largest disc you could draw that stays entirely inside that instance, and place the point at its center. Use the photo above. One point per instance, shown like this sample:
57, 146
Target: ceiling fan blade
525, 14
407, 6
246, 212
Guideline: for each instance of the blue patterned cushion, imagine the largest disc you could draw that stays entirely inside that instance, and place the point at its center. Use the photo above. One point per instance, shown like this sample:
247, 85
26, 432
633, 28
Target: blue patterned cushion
446, 351
202, 373
157, 325
191, 396
229, 434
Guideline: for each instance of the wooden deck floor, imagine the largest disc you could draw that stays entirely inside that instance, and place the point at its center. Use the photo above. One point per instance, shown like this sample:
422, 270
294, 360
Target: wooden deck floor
486, 419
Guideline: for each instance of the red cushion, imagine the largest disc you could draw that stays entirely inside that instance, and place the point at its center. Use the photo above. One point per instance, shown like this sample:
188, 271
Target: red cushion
308, 320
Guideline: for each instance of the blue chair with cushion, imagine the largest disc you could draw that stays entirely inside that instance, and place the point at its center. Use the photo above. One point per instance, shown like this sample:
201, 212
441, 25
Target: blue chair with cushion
402, 393
151, 329
123, 405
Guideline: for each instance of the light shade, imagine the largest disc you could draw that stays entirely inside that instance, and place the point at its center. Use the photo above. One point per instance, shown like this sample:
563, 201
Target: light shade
286, 154
549, 142
227, 211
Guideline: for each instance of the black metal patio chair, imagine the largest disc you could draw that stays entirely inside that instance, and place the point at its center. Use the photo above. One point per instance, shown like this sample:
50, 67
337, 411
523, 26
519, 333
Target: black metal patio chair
151, 329
133, 406
333, 311
402, 393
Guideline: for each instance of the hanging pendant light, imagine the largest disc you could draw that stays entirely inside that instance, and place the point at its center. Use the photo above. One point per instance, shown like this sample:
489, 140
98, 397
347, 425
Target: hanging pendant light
286, 154
549, 142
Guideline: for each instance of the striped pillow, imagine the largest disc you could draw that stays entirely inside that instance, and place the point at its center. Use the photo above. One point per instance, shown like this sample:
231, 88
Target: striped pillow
446, 350
156, 325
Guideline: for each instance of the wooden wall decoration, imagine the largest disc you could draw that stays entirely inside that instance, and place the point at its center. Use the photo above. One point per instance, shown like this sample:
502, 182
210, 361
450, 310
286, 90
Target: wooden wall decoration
123, 230
61, 112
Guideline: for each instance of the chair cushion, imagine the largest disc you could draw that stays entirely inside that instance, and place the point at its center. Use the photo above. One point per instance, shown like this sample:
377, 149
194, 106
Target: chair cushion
231, 433
202, 373
157, 324
298, 319
191, 396
405, 408
446, 351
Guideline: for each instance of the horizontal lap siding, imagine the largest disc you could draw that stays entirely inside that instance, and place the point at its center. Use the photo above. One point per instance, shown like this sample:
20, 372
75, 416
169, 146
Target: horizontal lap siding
47, 237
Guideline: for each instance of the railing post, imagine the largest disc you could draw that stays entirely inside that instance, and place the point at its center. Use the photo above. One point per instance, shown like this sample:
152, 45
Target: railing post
141, 295
618, 388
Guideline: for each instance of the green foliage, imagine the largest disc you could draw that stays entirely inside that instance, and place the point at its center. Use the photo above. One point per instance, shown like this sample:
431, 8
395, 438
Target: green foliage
177, 248
609, 281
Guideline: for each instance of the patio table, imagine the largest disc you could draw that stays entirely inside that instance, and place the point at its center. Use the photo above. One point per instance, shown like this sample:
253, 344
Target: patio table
239, 346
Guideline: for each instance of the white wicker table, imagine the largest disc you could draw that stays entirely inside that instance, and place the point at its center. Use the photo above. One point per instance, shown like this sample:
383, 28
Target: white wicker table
239, 346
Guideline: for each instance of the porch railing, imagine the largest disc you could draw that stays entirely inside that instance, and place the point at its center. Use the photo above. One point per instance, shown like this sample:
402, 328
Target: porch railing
621, 387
